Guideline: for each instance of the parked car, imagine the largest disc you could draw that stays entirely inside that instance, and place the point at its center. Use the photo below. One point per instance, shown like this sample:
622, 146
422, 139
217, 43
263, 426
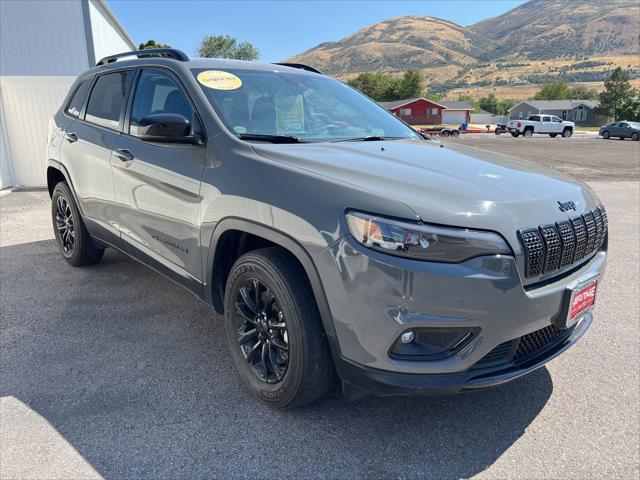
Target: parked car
331, 236
621, 130
545, 124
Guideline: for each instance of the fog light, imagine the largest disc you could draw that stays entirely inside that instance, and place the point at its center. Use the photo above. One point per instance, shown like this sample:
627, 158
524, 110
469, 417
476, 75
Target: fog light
407, 337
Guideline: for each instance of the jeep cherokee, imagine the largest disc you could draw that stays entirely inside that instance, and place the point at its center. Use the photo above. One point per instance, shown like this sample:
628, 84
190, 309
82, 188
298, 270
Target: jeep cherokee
333, 237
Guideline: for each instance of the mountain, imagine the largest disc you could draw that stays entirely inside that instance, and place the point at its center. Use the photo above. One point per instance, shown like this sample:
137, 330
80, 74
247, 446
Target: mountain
545, 29
574, 40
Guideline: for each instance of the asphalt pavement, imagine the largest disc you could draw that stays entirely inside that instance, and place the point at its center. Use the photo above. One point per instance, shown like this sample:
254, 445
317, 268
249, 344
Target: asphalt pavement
113, 371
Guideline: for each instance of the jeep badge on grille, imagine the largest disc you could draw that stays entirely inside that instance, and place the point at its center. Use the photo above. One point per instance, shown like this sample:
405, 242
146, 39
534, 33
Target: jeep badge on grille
566, 206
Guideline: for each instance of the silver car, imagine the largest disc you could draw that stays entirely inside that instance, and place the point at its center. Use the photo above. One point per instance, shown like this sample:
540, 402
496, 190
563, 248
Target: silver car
336, 241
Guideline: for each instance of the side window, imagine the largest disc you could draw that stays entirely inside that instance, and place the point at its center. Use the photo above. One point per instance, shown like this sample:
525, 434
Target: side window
75, 104
546, 119
556, 120
158, 92
534, 118
107, 99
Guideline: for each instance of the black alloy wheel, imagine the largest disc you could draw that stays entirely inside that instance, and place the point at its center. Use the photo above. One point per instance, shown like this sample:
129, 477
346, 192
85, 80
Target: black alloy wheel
262, 331
65, 225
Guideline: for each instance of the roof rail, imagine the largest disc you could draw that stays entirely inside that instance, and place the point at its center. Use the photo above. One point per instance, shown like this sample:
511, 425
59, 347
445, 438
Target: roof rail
162, 52
301, 66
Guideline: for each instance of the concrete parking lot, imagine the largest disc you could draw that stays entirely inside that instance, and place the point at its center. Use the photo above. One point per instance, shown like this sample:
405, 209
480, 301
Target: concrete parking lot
113, 371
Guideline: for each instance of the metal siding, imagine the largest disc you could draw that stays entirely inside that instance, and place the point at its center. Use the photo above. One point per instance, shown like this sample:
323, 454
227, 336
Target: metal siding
27, 104
107, 40
42, 37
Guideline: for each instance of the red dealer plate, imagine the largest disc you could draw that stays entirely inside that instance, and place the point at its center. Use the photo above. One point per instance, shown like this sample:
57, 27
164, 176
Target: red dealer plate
579, 299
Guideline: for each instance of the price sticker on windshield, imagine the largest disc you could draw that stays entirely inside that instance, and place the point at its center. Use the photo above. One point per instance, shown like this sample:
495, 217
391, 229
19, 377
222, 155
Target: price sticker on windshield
219, 80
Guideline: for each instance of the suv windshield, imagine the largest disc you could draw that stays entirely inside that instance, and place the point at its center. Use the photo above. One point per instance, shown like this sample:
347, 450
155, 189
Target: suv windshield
258, 104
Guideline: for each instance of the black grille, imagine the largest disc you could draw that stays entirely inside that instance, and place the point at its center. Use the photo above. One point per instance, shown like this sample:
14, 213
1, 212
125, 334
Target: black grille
550, 247
536, 341
498, 355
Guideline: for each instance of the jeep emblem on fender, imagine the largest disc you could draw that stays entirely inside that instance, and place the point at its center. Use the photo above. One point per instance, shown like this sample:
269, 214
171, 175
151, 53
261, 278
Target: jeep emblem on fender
565, 206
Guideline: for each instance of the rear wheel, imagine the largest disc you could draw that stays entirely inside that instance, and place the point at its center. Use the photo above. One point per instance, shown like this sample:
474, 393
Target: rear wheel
274, 330
498, 130
635, 136
74, 242
606, 134
553, 135
445, 133
515, 134
528, 133
567, 133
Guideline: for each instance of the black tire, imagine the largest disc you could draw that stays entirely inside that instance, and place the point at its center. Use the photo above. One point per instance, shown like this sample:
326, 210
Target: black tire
515, 134
606, 134
455, 133
567, 133
445, 133
553, 135
308, 373
73, 239
498, 131
635, 136
528, 133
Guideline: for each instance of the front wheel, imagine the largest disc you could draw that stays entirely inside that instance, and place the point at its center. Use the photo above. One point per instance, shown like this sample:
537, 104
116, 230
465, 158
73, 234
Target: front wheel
498, 130
74, 242
606, 134
274, 330
553, 135
635, 136
567, 133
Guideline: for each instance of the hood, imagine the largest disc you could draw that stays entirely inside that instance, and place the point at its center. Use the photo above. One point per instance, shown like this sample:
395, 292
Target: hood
454, 185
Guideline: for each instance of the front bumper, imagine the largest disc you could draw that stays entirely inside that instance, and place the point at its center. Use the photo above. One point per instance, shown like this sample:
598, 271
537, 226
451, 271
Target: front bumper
374, 298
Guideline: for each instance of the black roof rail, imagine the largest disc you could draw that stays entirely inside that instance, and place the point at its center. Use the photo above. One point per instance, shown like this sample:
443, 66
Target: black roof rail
162, 52
301, 66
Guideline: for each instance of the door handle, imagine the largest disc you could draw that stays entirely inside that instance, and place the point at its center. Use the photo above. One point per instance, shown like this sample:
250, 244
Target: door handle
123, 154
71, 137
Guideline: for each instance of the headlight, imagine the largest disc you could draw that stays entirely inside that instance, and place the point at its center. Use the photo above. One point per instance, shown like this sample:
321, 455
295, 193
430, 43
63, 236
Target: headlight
423, 242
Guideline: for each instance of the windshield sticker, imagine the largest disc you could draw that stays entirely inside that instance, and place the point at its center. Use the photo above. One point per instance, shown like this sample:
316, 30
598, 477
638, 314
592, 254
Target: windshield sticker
239, 129
219, 80
289, 114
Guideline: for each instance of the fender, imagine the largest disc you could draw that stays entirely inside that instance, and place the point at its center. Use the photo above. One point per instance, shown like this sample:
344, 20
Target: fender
59, 166
286, 242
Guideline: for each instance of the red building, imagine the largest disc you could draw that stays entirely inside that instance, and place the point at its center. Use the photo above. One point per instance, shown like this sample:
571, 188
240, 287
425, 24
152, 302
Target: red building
420, 111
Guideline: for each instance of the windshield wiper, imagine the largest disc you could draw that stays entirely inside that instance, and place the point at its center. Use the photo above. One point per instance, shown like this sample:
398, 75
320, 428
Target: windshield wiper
369, 138
271, 138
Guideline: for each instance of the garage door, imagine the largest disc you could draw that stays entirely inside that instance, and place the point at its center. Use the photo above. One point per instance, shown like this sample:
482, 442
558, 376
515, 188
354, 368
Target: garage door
454, 117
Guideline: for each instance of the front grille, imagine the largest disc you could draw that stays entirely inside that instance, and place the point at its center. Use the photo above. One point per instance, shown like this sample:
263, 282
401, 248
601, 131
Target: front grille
523, 348
548, 248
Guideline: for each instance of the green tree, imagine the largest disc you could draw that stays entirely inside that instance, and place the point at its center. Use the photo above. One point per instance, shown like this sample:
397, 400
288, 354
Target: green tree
377, 86
504, 106
630, 110
489, 103
411, 85
583, 93
557, 90
152, 44
224, 46
617, 95
469, 99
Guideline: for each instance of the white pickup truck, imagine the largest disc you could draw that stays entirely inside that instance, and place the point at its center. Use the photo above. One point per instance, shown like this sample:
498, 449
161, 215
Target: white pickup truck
546, 124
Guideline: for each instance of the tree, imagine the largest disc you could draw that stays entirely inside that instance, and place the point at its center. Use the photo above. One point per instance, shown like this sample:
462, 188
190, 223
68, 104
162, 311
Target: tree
377, 86
630, 110
489, 103
617, 93
224, 46
557, 90
469, 99
504, 106
152, 44
411, 85
583, 93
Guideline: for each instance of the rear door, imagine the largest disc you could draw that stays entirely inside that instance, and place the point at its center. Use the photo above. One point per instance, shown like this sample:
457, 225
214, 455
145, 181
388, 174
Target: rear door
157, 185
87, 147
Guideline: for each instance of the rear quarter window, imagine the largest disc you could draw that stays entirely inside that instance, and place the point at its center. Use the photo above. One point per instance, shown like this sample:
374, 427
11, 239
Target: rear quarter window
77, 100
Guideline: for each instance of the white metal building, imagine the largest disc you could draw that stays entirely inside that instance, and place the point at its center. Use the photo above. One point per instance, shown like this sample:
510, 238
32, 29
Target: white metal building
44, 45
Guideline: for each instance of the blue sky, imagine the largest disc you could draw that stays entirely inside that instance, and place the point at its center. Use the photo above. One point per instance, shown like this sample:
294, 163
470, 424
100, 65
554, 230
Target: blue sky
281, 29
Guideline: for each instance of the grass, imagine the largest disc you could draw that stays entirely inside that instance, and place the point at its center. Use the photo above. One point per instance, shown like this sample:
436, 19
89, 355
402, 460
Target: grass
587, 129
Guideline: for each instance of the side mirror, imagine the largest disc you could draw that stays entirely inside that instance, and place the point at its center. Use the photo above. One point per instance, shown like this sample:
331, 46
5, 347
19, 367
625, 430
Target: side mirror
166, 127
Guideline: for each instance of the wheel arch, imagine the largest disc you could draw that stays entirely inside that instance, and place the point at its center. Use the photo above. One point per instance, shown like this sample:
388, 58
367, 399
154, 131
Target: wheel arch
220, 259
56, 172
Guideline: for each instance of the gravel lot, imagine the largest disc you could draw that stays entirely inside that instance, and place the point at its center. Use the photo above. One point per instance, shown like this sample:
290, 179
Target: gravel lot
114, 371
585, 156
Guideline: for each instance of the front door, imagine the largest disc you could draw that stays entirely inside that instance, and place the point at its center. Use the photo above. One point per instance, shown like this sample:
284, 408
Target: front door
157, 184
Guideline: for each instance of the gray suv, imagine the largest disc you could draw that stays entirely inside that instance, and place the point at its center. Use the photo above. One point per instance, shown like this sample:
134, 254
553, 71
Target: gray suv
334, 238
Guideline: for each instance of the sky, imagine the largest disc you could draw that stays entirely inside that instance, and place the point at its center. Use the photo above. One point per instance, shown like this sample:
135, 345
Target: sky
281, 29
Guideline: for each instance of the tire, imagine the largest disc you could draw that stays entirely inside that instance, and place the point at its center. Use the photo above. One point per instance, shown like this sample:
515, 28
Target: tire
635, 136
281, 377
553, 135
498, 131
528, 133
567, 133
455, 133
606, 134
73, 239
445, 133
515, 134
